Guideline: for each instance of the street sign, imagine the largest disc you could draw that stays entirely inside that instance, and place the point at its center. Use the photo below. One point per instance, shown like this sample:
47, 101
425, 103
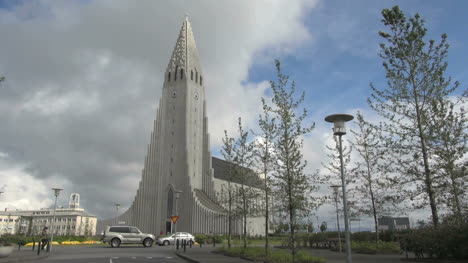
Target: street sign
174, 219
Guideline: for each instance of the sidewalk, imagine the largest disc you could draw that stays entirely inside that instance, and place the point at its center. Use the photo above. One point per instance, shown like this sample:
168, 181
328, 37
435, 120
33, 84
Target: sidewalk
24, 255
204, 255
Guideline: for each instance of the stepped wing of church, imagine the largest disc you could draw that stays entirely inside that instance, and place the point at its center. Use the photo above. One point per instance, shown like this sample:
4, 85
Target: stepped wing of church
178, 176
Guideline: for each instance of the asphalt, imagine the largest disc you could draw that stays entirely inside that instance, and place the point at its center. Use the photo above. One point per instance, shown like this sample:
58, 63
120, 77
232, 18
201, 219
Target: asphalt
206, 255
97, 254
24, 255
134, 254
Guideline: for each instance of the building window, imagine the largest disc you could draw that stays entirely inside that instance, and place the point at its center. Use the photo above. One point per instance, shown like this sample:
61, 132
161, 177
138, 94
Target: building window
176, 70
196, 76
181, 73
191, 74
169, 76
201, 80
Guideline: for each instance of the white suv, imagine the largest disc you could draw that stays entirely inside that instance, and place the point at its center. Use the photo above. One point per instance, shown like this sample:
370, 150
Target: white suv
171, 239
116, 235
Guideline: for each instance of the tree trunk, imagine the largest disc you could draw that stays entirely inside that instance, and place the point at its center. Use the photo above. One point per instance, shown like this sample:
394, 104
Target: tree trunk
266, 208
229, 216
427, 171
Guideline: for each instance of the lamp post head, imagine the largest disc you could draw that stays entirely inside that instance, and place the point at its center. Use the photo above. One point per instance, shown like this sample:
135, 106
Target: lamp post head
338, 121
117, 206
57, 191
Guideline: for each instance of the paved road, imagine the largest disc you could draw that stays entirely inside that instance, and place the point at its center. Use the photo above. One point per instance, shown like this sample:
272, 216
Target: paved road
105, 254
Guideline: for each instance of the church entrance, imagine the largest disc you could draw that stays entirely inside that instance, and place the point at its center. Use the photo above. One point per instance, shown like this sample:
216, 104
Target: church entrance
168, 226
170, 210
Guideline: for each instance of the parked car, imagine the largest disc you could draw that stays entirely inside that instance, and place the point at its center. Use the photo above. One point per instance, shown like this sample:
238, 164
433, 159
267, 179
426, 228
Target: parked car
171, 239
116, 235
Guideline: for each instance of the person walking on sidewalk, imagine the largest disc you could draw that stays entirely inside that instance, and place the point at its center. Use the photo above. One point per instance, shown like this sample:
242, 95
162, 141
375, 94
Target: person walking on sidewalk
44, 237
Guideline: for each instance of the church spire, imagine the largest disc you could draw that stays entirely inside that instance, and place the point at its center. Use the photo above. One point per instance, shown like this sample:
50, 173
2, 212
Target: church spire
185, 54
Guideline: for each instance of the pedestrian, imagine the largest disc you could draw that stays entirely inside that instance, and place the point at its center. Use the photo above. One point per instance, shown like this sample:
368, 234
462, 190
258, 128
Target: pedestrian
44, 237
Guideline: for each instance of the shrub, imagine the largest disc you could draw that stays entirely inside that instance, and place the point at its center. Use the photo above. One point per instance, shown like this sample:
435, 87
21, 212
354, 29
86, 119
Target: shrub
449, 241
200, 238
371, 247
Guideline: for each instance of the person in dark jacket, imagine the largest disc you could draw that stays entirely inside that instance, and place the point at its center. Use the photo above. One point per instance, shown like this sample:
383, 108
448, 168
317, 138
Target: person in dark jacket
44, 237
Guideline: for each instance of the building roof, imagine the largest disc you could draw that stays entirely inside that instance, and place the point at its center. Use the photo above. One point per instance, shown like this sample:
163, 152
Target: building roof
221, 171
48, 212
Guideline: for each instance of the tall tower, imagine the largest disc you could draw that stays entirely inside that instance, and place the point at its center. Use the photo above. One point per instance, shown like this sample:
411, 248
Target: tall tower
177, 178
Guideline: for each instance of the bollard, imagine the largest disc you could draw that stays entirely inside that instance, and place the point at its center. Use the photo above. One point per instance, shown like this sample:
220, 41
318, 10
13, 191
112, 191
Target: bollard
177, 244
191, 242
39, 249
34, 245
48, 245
214, 244
185, 244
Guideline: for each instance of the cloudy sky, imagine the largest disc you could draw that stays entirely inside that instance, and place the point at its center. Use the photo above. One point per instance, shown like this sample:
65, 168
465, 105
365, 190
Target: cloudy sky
83, 80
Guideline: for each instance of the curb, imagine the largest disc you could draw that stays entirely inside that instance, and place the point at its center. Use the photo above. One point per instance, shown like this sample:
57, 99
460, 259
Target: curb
27, 259
189, 259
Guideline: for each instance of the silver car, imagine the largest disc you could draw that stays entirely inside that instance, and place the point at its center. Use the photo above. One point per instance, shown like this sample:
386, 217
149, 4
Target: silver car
171, 239
116, 235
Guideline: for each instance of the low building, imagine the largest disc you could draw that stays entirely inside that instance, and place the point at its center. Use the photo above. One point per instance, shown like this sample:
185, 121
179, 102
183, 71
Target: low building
68, 221
393, 223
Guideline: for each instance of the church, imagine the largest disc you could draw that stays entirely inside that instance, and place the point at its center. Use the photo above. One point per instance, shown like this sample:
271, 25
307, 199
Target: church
180, 177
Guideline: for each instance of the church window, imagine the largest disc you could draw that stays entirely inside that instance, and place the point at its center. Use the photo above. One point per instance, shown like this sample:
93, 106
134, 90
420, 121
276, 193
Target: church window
196, 76
169, 76
201, 80
175, 74
191, 74
181, 73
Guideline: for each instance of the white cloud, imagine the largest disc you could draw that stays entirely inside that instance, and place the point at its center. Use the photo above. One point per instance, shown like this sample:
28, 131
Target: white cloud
83, 82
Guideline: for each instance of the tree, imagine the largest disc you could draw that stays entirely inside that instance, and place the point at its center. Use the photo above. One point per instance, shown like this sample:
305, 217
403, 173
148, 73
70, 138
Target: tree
415, 78
243, 151
263, 152
293, 186
323, 227
448, 145
371, 170
333, 176
227, 151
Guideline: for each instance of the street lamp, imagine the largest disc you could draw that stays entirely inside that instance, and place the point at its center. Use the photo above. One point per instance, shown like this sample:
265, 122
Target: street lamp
339, 129
177, 195
56, 193
116, 213
335, 193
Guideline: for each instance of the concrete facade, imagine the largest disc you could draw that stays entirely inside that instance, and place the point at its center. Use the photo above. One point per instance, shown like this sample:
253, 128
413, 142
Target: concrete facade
178, 176
73, 221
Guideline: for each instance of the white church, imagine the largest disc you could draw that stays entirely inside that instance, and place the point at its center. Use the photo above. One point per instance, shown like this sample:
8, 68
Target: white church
180, 177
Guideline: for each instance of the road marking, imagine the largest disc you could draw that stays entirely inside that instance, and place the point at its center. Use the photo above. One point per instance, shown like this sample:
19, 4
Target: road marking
168, 257
149, 257
133, 257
